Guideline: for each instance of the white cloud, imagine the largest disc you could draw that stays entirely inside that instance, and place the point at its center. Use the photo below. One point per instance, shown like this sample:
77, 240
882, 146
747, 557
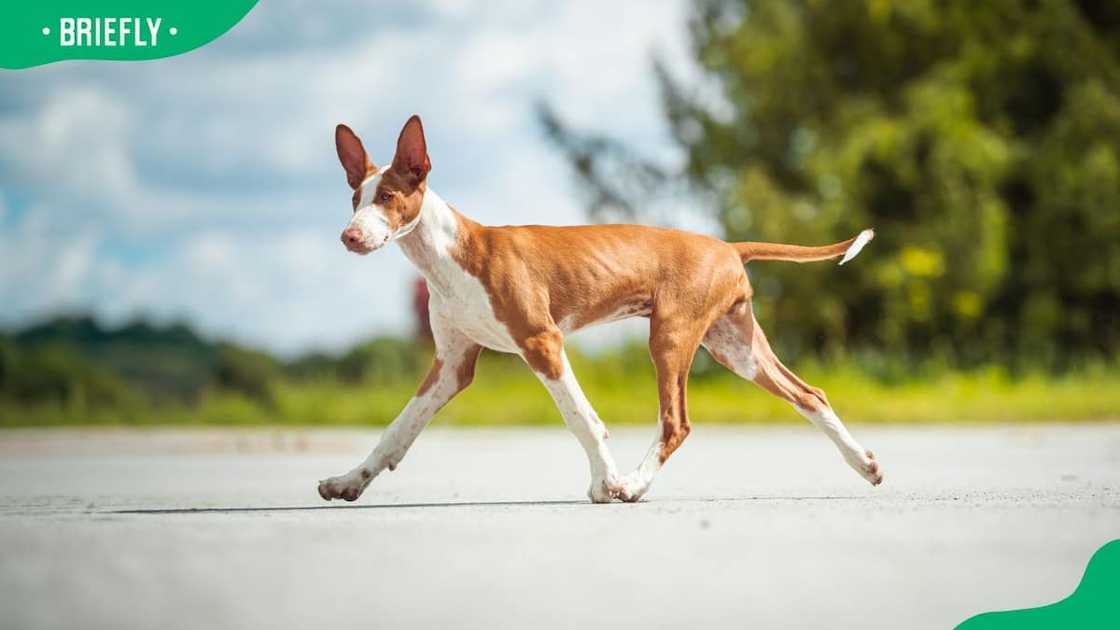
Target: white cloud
75, 144
220, 165
46, 266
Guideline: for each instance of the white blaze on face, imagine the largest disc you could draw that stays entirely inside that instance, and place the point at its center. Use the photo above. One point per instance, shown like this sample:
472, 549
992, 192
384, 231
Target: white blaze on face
369, 218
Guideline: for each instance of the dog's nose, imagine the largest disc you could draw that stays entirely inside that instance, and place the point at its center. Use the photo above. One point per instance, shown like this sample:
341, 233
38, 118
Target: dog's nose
351, 237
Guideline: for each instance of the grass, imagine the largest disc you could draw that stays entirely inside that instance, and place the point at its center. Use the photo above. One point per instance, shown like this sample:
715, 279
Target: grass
624, 391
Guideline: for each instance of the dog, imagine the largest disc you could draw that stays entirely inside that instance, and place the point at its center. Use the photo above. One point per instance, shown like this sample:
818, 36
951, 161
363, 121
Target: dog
520, 289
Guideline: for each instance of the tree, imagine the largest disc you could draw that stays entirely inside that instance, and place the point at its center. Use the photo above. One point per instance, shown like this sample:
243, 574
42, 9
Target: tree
981, 140
249, 372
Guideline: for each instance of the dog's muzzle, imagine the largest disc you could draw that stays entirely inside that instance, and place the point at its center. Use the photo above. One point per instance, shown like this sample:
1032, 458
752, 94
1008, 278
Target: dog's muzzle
354, 240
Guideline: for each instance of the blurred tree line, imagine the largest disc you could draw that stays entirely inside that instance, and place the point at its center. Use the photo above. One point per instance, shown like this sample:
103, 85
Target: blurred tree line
980, 139
83, 365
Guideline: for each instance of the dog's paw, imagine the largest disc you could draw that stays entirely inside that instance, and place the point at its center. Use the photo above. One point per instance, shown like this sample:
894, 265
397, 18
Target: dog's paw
867, 467
632, 488
347, 487
604, 490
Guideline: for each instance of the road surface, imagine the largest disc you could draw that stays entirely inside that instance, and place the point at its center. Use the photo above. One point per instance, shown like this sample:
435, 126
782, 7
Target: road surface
761, 527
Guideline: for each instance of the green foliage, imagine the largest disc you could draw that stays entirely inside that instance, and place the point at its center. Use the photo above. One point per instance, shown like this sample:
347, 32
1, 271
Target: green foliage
247, 372
166, 363
621, 383
981, 140
385, 359
57, 373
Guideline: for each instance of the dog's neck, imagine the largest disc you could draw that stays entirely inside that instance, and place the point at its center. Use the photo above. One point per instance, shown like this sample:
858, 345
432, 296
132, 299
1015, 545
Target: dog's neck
428, 245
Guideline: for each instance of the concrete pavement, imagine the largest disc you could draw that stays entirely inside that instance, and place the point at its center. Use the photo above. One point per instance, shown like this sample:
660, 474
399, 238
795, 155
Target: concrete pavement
762, 527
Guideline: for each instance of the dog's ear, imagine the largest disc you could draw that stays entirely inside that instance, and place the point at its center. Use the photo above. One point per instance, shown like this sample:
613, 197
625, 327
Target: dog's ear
412, 151
352, 155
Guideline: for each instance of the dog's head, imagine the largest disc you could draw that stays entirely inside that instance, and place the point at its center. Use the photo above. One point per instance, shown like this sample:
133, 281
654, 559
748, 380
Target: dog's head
386, 200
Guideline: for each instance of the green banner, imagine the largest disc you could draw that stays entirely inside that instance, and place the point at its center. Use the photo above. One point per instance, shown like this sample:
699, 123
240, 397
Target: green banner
33, 32
1094, 604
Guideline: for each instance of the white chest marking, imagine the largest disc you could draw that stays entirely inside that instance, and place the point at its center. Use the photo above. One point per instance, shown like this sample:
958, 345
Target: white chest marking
457, 297
466, 305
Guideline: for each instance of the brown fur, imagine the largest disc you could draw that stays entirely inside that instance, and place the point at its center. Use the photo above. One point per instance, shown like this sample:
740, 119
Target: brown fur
770, 374
539, 276
353, 156
401, 189
431, 378
400, 196
371, 168
749, 251
465, 371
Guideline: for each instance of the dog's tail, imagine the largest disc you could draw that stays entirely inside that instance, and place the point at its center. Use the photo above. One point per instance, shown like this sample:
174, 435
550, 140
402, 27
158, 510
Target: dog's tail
797, 253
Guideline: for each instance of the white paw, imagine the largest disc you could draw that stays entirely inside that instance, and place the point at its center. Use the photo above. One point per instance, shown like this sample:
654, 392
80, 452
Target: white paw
603, 489
865, 464
632, 488
348, 486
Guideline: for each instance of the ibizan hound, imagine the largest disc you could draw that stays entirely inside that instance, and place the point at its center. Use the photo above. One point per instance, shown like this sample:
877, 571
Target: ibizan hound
521, 289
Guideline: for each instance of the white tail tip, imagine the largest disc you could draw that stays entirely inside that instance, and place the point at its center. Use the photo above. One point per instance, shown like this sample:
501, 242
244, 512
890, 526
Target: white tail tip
863, 239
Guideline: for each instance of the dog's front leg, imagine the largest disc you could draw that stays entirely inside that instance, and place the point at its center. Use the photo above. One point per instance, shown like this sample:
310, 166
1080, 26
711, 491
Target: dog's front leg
550, 363
452, 370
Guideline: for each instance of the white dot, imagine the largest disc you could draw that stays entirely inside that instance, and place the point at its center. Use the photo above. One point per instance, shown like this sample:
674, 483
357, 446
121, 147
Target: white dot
174, 31
46, 30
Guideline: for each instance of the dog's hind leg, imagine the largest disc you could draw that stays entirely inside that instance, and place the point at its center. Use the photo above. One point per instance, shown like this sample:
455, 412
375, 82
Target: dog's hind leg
738, 343
672, 345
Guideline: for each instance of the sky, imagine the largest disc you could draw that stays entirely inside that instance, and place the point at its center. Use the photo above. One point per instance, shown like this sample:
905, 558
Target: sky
205, 187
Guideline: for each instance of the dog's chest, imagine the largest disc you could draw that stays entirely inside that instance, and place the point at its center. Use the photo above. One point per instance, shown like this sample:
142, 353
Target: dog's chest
458, 299
461, 300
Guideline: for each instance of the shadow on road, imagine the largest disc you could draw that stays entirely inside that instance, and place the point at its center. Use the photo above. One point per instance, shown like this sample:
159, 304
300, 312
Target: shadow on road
296, 508
452, 504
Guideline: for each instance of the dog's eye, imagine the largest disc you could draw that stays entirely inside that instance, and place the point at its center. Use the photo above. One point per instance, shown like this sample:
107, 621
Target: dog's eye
384, 196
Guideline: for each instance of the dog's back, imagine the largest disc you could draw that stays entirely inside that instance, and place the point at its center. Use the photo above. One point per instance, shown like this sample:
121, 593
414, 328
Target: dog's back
595, 273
